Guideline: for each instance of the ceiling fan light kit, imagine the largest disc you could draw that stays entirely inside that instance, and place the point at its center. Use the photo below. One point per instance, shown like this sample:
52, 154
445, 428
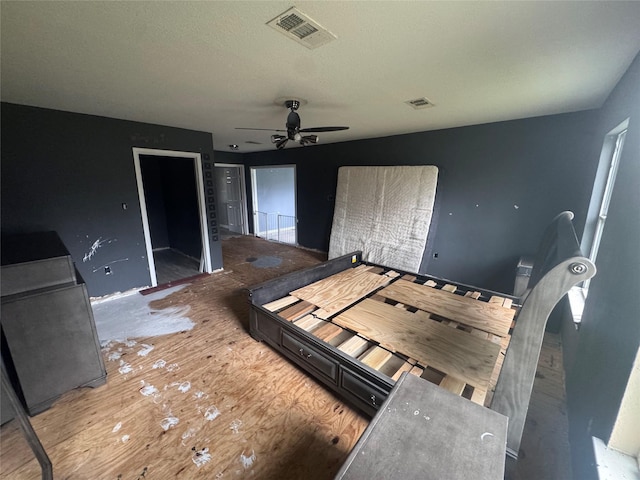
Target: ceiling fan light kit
293, 130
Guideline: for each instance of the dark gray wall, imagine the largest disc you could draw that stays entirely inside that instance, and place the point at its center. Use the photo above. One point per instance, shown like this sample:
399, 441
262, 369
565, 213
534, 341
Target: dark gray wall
71, 173
176, 211
499, 185
599, 356
154, 198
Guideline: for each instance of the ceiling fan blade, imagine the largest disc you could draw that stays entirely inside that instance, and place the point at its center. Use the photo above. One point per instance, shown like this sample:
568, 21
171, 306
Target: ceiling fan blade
276, 138
281, 143
323, 129
264, 129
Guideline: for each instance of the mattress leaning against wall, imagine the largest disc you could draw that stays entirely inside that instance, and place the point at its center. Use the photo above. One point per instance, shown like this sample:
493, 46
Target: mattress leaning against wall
385, 212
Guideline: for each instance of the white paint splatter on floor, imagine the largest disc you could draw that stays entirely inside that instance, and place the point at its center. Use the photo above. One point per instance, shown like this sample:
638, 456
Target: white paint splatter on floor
191, 432
113, 356
172, 367
247, 462
147, 390
125, 368
159, 364
235, 425
184, 387
117, 427
200, 395
146, 349
169, 422
130, 316
201, 457
125, 438
212, 413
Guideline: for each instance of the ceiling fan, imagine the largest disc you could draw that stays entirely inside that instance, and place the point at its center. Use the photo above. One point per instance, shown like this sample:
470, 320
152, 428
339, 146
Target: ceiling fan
294, 132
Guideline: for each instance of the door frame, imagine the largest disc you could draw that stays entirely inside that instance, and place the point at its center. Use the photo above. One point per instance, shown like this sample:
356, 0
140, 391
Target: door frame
254, 194
243, 194
204, 231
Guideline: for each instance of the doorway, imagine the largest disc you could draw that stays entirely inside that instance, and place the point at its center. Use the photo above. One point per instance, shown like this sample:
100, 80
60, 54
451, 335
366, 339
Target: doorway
171, 193
274, 203
231, 199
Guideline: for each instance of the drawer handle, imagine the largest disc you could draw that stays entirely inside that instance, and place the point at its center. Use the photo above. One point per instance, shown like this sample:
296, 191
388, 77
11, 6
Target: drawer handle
373, 399
303, 355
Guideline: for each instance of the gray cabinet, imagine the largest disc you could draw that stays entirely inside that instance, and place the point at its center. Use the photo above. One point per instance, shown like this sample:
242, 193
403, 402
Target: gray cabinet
47, 321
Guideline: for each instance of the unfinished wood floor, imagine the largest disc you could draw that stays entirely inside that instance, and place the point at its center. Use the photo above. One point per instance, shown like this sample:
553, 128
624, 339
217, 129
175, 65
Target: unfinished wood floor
214, 403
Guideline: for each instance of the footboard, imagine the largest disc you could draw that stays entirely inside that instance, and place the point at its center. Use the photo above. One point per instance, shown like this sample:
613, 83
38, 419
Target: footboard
559, 265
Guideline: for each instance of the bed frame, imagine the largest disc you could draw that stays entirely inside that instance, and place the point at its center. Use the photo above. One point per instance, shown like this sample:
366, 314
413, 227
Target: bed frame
460, 337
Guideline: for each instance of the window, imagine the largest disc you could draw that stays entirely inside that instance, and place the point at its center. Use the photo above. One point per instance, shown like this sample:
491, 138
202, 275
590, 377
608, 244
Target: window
602, 191
598, 208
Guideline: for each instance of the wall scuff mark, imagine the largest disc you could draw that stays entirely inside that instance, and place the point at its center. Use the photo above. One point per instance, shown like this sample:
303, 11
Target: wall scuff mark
95, 246
107, 264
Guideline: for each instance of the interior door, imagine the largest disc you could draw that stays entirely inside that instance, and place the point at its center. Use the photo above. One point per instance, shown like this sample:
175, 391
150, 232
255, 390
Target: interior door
230, 182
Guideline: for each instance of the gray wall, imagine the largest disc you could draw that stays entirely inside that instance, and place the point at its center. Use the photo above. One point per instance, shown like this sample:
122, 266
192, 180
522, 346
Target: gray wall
599, 357
71, 173
499, 185
172, 210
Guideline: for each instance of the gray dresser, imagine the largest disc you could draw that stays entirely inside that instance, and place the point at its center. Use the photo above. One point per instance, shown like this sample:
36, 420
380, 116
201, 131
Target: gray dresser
49, 335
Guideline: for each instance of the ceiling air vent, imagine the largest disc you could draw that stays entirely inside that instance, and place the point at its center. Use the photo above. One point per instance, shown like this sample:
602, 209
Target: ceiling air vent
299, 27
419, 103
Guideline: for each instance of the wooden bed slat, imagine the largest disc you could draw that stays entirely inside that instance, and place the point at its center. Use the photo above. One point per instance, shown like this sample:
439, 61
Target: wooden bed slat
376, 357
308, 323
479, 396
297, 311
455, 352
453, 384
327, 331
355, 346
280, 303
405, 367
489, 317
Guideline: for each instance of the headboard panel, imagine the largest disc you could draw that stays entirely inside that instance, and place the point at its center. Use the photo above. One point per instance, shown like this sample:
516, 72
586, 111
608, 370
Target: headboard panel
559, 266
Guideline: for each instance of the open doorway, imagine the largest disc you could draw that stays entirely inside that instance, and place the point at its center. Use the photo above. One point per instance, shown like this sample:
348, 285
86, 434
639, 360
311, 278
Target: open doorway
170, 188
231, 200
274, 203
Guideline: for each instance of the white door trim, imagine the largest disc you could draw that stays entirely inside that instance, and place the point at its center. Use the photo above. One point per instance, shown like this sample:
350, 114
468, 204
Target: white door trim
197, 162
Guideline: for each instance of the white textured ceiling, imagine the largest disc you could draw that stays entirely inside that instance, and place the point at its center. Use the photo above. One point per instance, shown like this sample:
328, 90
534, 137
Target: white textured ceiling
214, 66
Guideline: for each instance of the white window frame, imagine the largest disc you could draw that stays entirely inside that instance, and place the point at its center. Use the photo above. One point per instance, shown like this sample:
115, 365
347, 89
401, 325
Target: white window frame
598, 209
616, 139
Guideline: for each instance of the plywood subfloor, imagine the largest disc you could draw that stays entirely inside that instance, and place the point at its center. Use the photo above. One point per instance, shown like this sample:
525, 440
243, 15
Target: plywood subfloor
230, 404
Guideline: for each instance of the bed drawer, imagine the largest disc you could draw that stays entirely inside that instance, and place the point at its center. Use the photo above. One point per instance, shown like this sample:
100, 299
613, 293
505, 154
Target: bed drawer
309, 356
363, 389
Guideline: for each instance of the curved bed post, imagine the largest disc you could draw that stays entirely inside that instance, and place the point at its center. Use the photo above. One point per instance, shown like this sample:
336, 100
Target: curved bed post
559, 266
